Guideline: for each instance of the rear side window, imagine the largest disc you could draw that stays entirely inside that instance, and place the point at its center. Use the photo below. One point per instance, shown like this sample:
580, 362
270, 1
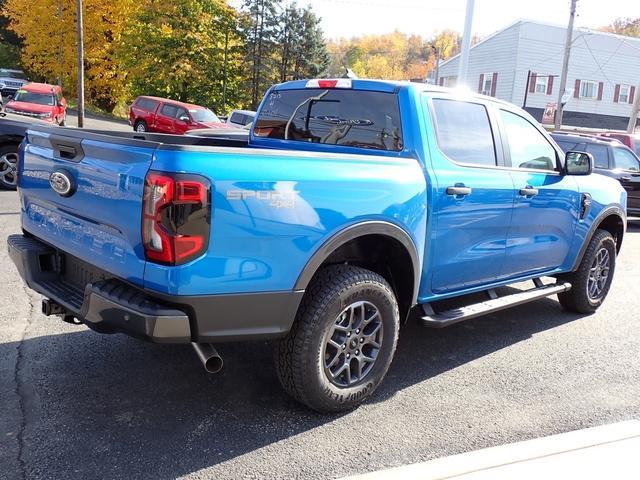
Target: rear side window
169, 110
350, 118
600, 154
146, 104
464, 132
238, 118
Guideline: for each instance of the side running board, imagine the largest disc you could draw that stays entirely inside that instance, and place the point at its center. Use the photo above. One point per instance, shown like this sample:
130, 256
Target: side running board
449, 317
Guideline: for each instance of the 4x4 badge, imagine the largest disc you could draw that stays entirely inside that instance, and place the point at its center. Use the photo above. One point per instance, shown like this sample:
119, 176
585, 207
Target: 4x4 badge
62, 183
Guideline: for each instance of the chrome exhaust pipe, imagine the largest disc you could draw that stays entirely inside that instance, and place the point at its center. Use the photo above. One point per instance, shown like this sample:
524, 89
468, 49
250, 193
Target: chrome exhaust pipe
209, 356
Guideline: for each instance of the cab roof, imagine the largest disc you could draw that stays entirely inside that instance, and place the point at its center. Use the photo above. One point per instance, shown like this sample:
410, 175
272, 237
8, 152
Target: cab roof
41, 88
387, 86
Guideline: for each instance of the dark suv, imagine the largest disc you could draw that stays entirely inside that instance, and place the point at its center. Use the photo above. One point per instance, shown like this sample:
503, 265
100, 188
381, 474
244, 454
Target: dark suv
611, 158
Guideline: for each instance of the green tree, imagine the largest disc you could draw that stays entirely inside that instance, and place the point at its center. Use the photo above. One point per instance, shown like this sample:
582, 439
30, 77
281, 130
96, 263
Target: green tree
177, 49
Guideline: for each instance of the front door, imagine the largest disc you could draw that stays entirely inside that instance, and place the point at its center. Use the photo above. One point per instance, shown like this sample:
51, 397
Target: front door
547, 202
627, 170
473, 198
165, 119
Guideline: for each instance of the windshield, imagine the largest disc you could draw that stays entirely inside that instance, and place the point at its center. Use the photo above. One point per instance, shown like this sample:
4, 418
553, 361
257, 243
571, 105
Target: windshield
37, 98
10, 74
350, 118
203, 115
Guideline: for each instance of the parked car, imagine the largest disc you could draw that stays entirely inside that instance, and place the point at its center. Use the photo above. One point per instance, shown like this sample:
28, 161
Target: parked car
358, 203
631, 140
12, 130
240, 118
161, 115
612, 159
11, 81
40, 100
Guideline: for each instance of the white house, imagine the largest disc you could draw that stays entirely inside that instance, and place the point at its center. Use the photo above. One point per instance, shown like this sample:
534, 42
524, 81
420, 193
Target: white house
604, 70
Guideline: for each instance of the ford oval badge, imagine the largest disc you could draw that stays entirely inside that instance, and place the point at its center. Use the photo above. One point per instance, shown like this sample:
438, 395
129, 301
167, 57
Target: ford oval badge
62, 183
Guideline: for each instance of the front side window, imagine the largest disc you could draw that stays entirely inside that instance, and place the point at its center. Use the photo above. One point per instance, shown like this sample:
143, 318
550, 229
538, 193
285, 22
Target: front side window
527, 146
600, 154
464, 132
204, 115
541, 84
346, 117
571, 146
625, 160
588, 89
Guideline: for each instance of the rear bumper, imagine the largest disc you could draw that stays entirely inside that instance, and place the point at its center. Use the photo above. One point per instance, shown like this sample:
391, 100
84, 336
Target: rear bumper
110, 305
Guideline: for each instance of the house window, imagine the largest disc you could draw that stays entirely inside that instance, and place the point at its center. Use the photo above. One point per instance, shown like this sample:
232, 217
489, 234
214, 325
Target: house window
487, 84
449, 81
625, 91
588, 89
541, 84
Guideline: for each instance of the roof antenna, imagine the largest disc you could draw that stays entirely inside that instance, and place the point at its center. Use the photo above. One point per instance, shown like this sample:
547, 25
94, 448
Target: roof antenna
349, 74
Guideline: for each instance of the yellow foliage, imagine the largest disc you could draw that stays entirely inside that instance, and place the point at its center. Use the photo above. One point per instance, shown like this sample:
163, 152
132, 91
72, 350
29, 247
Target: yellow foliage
50, 48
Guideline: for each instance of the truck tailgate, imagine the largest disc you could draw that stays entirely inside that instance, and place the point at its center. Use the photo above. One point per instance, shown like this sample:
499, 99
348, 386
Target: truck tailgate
99, 220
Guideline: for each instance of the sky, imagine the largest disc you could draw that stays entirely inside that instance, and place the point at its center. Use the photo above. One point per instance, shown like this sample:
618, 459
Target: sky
347, 18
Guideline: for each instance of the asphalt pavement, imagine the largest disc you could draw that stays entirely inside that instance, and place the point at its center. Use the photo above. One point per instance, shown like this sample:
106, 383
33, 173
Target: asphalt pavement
75, 404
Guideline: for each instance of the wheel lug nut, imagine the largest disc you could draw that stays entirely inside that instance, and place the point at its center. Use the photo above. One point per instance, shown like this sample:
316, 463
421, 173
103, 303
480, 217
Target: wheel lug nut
357, 352
348, 355
344, 345
362, 340
348, 334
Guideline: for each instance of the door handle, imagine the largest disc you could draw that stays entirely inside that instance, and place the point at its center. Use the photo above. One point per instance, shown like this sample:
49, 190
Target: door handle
459, 189
528, 191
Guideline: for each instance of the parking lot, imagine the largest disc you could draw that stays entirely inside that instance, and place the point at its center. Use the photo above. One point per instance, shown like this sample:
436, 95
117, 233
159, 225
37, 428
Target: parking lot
76, 404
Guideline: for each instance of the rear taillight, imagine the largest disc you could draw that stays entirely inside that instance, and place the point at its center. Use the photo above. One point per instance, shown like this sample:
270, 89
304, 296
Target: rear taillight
176, 217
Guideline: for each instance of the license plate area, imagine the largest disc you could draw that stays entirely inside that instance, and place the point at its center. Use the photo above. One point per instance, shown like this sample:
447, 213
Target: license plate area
79, 273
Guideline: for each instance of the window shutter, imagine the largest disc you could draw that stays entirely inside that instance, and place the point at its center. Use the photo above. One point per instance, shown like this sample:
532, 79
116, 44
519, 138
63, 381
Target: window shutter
576, 90
632, 92
549, 85
441, 81
532, 82
600, 88
481, 83
616, 93
494, 82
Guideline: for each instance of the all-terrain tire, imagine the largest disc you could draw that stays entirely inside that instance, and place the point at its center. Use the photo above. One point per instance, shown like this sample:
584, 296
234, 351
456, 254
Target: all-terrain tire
583, 297
140, 126
337, 297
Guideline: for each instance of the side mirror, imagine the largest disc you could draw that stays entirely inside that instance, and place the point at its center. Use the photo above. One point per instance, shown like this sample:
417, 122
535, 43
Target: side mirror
578, 163
184, 118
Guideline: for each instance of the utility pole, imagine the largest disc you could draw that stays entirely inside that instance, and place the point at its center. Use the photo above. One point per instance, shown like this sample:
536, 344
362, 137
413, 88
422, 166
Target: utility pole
224, 78
80, 64
436, 52
634, 112
466, 44
61, 45
565, 65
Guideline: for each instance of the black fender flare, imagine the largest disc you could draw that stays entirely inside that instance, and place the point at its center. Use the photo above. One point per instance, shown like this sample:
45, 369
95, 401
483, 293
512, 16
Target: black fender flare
606, 212
351, 232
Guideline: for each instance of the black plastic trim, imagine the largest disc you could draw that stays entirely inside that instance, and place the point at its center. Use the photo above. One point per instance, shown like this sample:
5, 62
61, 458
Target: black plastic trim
373, 227
606, 212
111, 305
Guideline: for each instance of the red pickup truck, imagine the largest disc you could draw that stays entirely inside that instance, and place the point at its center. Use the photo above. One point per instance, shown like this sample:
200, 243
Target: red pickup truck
161, 115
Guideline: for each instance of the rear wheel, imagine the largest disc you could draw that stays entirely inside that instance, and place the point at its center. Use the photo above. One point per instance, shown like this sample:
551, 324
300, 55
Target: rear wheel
342, 341
140, 126
8, 166
591, 282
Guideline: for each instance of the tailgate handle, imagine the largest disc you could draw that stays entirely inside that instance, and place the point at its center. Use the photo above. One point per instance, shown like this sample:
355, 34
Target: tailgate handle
68, 149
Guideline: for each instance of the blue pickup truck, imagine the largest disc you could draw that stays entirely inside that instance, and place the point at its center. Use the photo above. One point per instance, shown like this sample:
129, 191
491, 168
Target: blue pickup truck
353, 206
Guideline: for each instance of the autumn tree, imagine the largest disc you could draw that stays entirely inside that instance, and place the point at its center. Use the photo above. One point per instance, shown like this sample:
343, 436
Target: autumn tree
624, 26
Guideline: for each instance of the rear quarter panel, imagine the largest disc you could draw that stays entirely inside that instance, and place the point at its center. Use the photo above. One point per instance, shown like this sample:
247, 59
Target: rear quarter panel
272, 210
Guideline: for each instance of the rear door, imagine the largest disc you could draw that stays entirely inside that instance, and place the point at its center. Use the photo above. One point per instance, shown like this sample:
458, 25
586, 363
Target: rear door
546, 201
627, 169
166, 118
473, 197
99, 221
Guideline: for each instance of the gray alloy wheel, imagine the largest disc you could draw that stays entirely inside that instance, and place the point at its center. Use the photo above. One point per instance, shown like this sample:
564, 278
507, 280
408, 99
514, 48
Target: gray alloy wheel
140, 127
8, 168
598, 274
351, 347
